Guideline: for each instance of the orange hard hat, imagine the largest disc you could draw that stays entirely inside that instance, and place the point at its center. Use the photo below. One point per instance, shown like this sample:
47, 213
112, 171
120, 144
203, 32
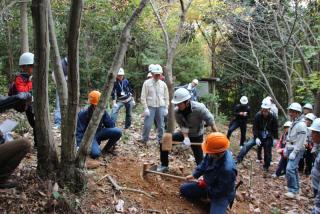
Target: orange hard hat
215, 142
94, 97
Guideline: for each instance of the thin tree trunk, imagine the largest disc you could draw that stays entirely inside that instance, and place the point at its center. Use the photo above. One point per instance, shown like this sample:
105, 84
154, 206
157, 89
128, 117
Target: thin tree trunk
10, 71
47, 156
170, 53
67, 162
317, 104
117, 61
24, 27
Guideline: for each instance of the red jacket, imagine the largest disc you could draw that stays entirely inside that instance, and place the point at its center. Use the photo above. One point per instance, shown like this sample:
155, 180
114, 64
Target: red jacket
23, 84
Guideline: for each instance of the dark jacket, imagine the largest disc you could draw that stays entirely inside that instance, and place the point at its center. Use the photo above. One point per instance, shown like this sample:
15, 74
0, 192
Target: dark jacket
241, 108
121, 86
83, 122
268, 126
219, 175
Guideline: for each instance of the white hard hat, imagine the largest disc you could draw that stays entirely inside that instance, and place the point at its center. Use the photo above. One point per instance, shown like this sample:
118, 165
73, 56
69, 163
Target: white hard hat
315, 125
244, 100
311, 116
157, 69
151, 67
149, 75
295, 107
180, 95
121, 71
266, 104
287, 124
195, 81
26, 58
308, 106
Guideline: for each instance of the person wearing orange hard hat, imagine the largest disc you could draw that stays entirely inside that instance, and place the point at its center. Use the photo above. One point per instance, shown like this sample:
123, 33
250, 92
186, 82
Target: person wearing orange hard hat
216, 175
105, 131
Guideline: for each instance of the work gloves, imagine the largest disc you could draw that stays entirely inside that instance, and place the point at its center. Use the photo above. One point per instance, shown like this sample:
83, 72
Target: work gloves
165, 112
187, 141
146, 112
258, 141
115, 105
133, 102
292, 155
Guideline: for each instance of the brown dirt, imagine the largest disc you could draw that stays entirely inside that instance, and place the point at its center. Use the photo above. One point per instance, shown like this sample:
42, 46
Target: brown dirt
36, 196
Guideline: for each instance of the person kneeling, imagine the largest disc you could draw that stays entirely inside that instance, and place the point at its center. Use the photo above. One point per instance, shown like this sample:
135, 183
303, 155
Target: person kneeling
11, 154
218, 171
105, 131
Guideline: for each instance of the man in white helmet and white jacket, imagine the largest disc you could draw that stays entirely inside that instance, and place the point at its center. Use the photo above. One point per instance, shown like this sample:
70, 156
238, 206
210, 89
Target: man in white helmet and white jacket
155, 100
294, 150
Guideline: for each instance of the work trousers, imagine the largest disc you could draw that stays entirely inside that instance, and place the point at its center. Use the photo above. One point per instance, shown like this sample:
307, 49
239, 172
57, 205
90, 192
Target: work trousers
243, 129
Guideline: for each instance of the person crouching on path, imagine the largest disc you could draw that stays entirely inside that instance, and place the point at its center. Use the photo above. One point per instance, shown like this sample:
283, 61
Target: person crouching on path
216, 175
105, 131
191, 117
294, 149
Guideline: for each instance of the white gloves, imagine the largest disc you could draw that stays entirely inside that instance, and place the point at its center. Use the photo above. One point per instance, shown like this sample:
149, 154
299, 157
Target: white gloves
133, 102
186, 141
258, 141
292, 155
115, 105
165, 112
146, 112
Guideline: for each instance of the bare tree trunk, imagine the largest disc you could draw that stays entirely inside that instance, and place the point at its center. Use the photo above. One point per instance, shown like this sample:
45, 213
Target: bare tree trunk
117, 61
10, 71
317, 104
170, 50
67, 162
24, 41
47, 156
68, 173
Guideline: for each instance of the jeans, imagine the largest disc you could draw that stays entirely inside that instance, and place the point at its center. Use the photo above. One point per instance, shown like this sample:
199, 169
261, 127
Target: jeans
243, 129
156, 113
282, 165
111, 134
245, 149
292, 174
193, 192
11, 154
57, 112
177, 136
115, 111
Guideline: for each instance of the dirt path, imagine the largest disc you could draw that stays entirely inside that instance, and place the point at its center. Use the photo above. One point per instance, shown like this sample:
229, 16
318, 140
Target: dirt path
35, 196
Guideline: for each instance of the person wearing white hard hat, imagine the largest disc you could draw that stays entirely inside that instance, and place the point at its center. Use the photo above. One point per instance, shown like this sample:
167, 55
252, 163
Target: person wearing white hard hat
280, 146
307, 108
192, 88
23, 86
191, 117
122, 96
305, 164
274, 110
294, 149
315, 172
155, 101
265, 132
241, 114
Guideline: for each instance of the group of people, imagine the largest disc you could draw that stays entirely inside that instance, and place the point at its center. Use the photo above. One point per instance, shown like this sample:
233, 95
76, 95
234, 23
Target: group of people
297, 146
215, 173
